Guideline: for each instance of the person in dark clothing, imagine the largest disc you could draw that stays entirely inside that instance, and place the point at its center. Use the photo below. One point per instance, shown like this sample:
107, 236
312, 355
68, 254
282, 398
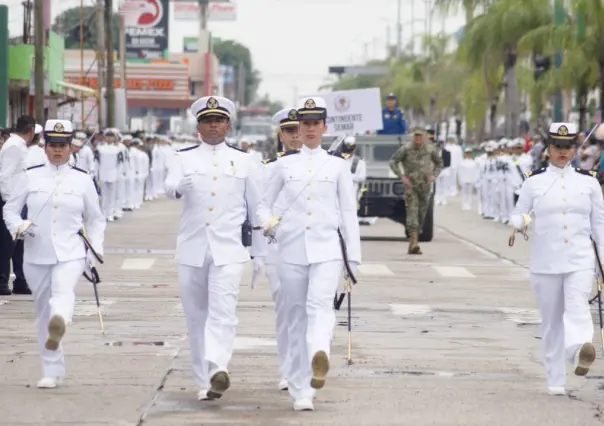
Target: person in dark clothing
392, 116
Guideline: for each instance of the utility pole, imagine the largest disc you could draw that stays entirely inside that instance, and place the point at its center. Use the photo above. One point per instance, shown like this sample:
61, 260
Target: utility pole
399, 29
100, 60
204, 45
83, 114
39, 60
3, 65
122, 35
241, 84
558, 101
110, 102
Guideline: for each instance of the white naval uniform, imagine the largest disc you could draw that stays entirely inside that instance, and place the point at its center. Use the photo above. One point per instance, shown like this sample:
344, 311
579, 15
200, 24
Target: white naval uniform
60, 201
210, 253
480, 196
358, 170
108, 171
35, 156
270, 253
467, 174
451, 178
141, 171
122, 179
313, 193
568, 210
85, 160
507, 183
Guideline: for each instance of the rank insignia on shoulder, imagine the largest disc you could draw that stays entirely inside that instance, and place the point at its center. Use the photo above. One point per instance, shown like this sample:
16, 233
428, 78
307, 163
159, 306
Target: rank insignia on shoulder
270, 160
189, 148
35, 167
235, 147
339, 155
535, 172
290, 152
586, 172
79, 170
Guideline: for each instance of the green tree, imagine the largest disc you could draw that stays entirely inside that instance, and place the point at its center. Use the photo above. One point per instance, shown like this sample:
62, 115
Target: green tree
67, 25
273, 106
232, 53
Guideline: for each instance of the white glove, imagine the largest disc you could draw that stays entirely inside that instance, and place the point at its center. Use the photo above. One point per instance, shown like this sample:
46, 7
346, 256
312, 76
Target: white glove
26, 228
185, 185
258, 269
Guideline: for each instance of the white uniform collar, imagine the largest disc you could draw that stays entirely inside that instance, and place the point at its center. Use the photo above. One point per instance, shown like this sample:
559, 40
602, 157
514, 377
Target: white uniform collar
207, 147
61, 168
318, 150
558, 171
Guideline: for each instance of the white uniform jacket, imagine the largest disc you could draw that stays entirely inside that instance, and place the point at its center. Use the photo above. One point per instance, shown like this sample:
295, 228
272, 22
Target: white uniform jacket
60, 202
313, 194
13, 157
568, 209
226, 188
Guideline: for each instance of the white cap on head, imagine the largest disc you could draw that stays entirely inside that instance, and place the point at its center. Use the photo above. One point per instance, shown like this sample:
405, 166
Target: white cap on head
81, 135
468, 150
58, 131
287, 117
127, 138
38, 129
213, 106
312, 108
77, 142
563, 131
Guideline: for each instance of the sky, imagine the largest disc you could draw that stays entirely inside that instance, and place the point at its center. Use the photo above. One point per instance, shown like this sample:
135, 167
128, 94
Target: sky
293, 42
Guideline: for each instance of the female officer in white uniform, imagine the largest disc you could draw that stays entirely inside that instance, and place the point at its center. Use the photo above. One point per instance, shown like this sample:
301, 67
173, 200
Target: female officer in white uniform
61, 200
567, 208
287, 120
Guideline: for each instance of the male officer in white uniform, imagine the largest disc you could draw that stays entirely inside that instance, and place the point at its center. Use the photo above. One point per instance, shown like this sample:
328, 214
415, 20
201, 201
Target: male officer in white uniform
308, 202
289, 142
108, 171
61, 201
220, 189
567, 210
35, 150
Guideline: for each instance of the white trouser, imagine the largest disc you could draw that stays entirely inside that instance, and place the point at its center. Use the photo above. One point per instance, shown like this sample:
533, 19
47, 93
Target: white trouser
158, 182
149, 191
130, 192
566, 318
505, 206
53, 289
466, 195
279, 297
121, 195
492, 207
311, 318
440, 195
209, 300
479, 199
139, 189
452, 182
108, 198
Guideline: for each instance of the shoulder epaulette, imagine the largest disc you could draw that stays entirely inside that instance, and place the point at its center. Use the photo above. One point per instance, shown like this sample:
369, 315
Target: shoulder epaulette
188, 148
534, 172
290, 152
270, 160
35, 167
339, 155
586, 172
235, 147
79, 170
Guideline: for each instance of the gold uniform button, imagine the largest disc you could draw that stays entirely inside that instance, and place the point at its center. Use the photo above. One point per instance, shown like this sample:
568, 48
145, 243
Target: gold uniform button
207, 224
308, 198
563, 187
213, 194
211, 209
307, 228
309, 213
565, 227
309, 170
215, 164
215, 178
564, 212
56, 207
565, 241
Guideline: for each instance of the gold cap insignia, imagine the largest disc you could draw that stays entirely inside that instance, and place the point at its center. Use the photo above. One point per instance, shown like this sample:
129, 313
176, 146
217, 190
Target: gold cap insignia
212, 103
310, 104
563, 131
293, 115
59, 128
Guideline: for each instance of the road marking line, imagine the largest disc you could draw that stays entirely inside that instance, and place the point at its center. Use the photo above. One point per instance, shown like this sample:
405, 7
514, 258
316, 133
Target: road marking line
454, 272
243, 343
138, 264
479, 249
406, 309
376, 269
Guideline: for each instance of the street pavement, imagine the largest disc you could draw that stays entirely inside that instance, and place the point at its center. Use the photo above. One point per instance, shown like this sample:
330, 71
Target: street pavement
448, 338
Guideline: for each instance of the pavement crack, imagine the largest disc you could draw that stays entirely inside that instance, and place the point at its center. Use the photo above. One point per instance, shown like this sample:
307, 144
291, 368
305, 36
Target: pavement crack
159, 389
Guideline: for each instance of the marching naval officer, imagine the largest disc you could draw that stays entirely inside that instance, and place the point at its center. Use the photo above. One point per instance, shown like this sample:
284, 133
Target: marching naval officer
61, 200
567, 209
220, 189
289, 142
308, 196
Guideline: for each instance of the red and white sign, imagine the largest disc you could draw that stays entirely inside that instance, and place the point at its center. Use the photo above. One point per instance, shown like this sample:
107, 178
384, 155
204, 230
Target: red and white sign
142, 13
218, 11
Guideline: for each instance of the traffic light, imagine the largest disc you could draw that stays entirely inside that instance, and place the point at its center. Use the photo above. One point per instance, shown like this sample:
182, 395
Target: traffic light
542, 65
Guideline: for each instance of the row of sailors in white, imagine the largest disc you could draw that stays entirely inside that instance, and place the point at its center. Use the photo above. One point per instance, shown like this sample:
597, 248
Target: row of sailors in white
223, 190
61, 200
566, 209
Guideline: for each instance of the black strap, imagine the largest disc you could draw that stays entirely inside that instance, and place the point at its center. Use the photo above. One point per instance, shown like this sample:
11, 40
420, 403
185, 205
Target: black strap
355, 163
345, 258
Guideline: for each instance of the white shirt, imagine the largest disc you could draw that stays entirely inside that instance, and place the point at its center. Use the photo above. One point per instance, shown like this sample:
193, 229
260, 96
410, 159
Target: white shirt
109, 166
360, 173
60, 202
312, 192
226, 188
85, 159
468, 171
12, 165
35, 156
568, 209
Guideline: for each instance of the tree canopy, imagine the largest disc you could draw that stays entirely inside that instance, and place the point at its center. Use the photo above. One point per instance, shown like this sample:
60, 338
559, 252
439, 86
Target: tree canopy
67, 25
234, 54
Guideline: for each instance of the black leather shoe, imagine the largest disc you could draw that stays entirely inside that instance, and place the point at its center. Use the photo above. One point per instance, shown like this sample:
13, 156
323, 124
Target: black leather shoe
21, 290
5, 291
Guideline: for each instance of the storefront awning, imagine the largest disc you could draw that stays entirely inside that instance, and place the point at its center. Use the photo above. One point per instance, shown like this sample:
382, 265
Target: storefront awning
81, 90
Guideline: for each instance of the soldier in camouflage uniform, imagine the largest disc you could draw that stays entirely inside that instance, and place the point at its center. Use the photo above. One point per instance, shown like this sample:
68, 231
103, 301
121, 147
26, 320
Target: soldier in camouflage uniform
421, 164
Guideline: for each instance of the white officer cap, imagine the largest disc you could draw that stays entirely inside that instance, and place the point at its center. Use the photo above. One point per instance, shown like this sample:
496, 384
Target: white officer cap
313, 108
81, 135
468, 150
58, 131
127, 138
287, 117
38, 129
77, 142
519, 143
213, 106
563, 133
350, 141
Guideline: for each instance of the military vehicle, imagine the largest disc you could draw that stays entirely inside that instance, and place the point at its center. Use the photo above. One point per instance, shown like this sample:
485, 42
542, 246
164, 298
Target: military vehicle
383, 192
